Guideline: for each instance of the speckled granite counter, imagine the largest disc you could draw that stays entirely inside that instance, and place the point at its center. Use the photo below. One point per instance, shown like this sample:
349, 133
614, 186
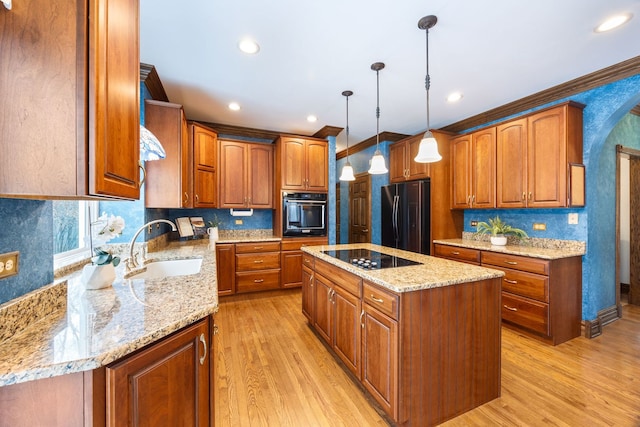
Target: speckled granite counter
95, 328
568, 250
432, 273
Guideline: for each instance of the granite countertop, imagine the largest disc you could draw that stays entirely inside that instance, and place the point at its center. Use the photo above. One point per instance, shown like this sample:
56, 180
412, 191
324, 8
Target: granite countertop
432, 273
555, 250
88, 329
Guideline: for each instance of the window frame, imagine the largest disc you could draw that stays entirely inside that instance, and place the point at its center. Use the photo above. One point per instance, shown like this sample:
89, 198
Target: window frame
88, 213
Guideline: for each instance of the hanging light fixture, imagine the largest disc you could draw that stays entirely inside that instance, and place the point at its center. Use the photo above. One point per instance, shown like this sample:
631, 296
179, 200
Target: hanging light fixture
377, 162
347, 169
428, 150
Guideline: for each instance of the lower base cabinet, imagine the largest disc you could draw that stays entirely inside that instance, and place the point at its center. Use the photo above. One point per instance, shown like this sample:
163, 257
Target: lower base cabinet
168, 383
424, 356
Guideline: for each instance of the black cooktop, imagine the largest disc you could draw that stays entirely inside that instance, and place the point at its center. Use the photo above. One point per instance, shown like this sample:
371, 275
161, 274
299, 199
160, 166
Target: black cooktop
370, 260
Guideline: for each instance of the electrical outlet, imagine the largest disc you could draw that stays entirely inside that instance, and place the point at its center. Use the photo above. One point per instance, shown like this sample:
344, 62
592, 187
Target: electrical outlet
573, 218
540, 226
474, 223
238, 222
9, 264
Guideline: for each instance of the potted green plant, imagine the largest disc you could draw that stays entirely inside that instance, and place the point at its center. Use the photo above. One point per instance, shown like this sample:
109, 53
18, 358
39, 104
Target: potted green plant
499, 230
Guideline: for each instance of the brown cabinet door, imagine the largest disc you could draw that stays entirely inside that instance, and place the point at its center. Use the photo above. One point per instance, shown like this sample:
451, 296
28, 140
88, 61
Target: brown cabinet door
307, 294
292, 164
204, 158
164, 384
323, 315
511, 164
547, 159
483, 168
317, 165
380, 359
233, 174
346, 341
460, 172
226, 268
260, 176
415, 170
397, 169
291, 265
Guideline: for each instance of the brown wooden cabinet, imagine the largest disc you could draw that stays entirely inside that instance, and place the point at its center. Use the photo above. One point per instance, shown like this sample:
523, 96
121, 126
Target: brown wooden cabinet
473, 171
78, 92
308, 307
542, 298
291, 260
246, 175
257, 266
402, 167
226, 268
165, 384
302, 164
533, 158
205, 149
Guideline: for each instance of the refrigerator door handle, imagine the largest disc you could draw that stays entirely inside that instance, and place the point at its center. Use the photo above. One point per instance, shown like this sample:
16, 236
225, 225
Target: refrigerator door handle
396, 200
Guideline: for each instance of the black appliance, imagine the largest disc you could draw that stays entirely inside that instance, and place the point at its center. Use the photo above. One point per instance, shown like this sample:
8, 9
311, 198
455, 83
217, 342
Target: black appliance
406, 216
370, 260
304, 214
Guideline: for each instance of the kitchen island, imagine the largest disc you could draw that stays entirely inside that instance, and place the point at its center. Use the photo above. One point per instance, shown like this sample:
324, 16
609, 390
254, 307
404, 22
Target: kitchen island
131, 351
421, 334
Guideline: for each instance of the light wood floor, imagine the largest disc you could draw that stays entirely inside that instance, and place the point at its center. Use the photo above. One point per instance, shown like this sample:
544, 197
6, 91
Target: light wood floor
273, 371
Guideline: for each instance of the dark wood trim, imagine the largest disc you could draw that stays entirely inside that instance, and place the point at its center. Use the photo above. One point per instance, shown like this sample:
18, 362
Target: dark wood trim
328, 131
636, 110
593, 328
363, 145
149, 76
599, 78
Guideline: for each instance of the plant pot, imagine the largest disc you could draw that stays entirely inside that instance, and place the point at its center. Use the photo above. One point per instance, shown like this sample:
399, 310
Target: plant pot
98, 276
499, 240
213, 233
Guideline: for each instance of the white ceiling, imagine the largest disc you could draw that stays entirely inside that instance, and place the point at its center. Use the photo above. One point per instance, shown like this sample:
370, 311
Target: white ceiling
494, 51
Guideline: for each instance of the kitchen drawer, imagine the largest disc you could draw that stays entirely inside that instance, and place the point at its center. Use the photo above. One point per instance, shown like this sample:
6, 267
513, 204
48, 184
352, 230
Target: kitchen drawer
525, 284
349, 282
532, 265
257, 261
294, 244
456, 253
525, 312
244, 248
382, 299
257, 281
308, 260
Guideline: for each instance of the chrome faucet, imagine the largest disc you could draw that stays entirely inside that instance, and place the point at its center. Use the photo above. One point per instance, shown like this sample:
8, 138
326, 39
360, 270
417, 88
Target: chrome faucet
132, 262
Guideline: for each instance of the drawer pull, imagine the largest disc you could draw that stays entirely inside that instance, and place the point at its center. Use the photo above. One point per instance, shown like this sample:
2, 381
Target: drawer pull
258, 261
258, 281
378, 300
511, 262
513, 282
455, 253
510, 308
257, 247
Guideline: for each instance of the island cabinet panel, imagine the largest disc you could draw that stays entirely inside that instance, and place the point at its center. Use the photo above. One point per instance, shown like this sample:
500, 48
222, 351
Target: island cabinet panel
292, 259
308, 308
424, 359
165, 384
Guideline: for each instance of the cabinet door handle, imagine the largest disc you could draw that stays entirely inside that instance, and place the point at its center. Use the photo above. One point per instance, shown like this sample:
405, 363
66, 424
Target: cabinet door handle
529, 195
511, 262
510, 308
473, 199
524, 196
469, 200
513, 282
204, 343
361, 319
186, 197
197, 199
311, 280
378, 300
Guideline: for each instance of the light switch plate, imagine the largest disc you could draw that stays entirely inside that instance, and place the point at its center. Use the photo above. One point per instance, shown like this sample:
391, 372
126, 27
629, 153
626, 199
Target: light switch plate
573, 218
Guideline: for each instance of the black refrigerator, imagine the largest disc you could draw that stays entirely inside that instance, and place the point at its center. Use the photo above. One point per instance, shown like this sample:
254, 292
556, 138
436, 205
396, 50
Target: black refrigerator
406, 216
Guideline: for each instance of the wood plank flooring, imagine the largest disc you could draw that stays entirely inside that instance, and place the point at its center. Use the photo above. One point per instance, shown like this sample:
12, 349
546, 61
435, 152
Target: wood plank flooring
272, 370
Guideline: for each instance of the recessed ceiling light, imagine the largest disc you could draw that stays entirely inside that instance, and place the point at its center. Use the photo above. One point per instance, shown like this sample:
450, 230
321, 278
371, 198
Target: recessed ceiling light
234, 106
613, 22
311, 118
249, 46
454, 97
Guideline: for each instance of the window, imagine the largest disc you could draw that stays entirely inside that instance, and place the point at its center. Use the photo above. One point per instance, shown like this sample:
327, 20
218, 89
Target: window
71, 219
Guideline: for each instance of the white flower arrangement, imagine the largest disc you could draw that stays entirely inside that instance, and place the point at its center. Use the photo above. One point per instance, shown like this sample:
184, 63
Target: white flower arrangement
112, 227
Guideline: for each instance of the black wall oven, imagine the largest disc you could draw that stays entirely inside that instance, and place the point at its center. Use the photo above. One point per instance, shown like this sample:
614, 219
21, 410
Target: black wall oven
304, 214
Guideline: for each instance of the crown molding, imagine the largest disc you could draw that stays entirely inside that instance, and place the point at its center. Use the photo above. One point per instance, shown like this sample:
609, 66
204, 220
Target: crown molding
149, 76
369, 142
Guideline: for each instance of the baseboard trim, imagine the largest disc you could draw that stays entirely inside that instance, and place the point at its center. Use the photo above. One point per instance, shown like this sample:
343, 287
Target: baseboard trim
593, 328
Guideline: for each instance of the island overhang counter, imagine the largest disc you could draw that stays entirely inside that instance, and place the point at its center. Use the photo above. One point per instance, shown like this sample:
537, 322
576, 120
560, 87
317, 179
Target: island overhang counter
423, 337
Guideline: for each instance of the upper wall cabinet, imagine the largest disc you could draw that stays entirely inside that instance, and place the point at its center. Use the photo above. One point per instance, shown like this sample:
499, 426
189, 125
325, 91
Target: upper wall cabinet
534, 158
473, 171
246, 175
302, 164
69, 99
205, 155
402, 167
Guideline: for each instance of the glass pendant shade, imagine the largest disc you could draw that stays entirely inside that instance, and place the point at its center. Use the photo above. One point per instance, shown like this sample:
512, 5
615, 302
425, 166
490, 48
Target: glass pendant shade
150, 146
428, 149
347, 173
377, 164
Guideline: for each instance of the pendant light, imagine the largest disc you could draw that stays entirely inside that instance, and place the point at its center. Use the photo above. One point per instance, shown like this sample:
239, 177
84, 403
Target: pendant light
347, 169
428, 150
377, 162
